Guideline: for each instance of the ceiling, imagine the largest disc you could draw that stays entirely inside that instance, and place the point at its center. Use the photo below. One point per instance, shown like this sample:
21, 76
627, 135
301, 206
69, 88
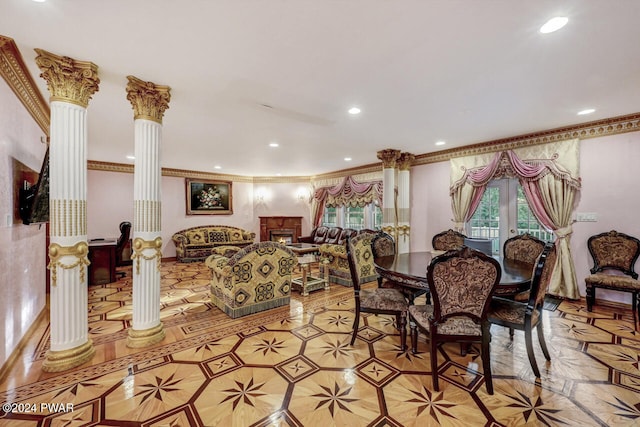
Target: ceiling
247, 73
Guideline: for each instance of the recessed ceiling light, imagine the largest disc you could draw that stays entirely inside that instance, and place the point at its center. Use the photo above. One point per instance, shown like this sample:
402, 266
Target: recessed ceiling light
587, 111
130, 157
354, 110
274, 144
217, 167
554, 24
440, 143
39, 1
347, 159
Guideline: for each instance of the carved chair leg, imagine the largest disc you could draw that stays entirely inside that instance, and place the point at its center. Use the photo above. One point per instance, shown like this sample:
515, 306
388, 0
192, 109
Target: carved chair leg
414, 336
543, 343
591, 296
403, 331
635, 306
356, 322
434, 364
486, 359
528, 339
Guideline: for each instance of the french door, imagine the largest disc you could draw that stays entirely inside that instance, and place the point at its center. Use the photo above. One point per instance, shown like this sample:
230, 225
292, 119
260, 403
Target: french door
504, 212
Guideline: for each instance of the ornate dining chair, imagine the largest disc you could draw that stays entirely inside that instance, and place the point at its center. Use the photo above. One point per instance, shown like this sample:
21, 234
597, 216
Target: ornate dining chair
447, 240
614, 256
526, 316
383, 244
523, 248
378, 300
461, 283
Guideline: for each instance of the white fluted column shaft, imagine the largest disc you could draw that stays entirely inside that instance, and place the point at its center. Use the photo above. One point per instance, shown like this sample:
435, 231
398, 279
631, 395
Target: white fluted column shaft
146, 224
404, 212
68, 224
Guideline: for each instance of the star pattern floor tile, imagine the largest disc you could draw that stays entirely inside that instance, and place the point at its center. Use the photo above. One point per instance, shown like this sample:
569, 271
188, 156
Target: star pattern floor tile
295, 366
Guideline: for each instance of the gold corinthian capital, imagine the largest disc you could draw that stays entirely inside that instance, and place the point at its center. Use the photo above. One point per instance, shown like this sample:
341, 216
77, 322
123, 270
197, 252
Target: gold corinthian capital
389, 157
148, 100
405, 160
68, 80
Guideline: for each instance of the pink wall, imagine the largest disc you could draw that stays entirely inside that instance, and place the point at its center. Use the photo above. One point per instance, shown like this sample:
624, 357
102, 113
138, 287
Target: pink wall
22, 247
107, 208
609, 188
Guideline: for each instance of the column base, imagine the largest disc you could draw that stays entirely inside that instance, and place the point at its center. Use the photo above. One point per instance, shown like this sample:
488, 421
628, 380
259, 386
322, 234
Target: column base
145, 337
63, 360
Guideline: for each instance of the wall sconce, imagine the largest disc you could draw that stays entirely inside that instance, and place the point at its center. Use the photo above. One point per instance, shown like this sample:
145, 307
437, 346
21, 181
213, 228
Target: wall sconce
302, 195
259, 197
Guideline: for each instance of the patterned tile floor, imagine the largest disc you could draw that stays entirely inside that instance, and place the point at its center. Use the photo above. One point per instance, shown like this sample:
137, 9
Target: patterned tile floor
294, 366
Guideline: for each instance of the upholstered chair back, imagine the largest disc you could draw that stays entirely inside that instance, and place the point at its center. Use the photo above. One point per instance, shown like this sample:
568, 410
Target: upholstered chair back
125, 235
542, 275
383, 244
320, 234
447, 240
361, 261
524, 247
614, 250
461, 284
346, 232
333, 235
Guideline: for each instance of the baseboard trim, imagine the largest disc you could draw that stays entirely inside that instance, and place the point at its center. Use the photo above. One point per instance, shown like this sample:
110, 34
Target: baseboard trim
15, 354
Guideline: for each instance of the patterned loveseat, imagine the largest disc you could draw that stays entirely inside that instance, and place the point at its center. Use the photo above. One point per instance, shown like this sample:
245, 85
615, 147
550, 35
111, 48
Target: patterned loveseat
195, 243
334, 257
254, 279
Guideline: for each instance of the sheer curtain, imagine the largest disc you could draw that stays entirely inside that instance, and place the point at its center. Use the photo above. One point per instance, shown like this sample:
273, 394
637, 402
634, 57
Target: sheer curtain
549, 177
349, 192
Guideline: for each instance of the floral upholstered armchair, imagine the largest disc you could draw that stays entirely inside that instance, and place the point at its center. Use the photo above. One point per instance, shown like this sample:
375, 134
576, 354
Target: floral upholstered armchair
334, 258
253, 279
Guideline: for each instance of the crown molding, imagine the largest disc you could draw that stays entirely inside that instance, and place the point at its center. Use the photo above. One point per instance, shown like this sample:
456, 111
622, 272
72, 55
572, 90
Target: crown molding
595, 129
14, 70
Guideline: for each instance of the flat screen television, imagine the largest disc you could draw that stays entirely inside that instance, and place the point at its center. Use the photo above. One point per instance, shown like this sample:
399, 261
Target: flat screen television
34, 201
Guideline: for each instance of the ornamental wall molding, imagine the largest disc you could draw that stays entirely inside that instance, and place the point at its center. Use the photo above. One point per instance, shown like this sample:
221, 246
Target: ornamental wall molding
595, 129
14, 70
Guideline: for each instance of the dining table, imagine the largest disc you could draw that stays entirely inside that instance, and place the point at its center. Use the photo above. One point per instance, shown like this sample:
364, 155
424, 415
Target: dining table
409, 271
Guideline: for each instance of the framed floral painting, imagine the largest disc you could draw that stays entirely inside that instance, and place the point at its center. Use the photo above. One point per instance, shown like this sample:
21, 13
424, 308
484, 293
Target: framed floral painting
208, 197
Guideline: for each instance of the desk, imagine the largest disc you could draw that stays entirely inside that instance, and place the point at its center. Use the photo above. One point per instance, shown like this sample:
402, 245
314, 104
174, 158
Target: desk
410, 271
102, 255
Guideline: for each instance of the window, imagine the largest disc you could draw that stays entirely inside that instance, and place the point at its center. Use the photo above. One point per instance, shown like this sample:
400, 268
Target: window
369, 216
330, 217
354, 217
504, 212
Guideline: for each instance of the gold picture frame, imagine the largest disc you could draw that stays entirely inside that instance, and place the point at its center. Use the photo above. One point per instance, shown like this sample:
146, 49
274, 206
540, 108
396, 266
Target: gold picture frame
208, 197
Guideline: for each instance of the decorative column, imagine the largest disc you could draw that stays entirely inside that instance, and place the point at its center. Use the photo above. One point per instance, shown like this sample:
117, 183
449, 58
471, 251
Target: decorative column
389, 157
149, 102
404, 202
71, 84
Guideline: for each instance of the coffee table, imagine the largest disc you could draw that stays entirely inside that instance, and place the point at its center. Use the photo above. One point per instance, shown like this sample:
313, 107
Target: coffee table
307, 255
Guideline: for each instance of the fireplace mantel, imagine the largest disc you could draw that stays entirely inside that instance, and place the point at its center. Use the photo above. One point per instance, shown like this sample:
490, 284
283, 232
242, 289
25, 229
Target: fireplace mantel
280, 226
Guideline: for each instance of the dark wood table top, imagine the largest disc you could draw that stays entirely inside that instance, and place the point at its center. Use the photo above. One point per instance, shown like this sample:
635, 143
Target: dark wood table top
410, 270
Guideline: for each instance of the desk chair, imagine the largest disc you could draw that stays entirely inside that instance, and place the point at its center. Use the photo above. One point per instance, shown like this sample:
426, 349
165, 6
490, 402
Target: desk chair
121, 244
